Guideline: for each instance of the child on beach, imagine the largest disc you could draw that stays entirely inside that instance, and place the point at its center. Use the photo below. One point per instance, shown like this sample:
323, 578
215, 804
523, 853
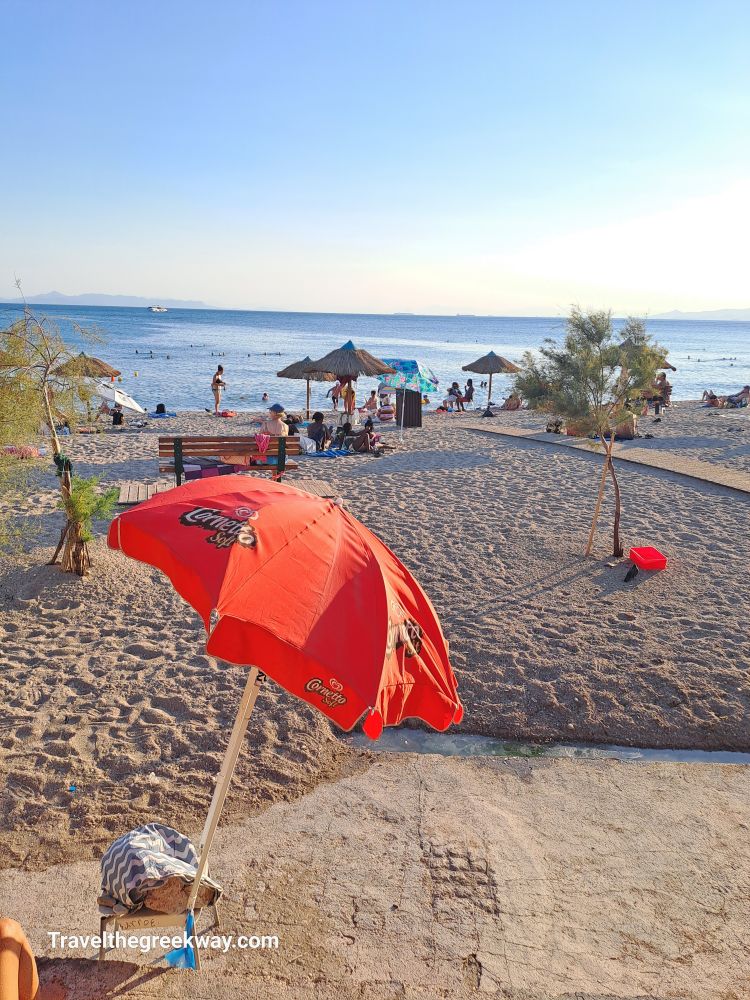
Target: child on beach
334, 392
318, 432
217, 386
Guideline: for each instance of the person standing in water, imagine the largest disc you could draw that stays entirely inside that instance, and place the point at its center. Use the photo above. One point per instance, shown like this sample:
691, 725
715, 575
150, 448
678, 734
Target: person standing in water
217, 386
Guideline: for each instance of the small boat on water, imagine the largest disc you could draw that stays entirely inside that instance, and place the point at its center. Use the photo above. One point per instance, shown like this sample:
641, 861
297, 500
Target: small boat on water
157, 309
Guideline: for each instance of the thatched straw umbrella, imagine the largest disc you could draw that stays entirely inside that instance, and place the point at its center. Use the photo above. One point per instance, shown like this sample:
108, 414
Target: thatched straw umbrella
84, 366
491, 364
348, 362
629, 344
297, 370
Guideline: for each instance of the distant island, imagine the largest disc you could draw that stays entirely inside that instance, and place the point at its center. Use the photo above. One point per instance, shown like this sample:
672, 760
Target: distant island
96, 299
737, 315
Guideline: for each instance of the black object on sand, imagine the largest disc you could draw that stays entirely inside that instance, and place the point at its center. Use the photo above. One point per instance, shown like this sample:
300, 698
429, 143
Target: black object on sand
631, 574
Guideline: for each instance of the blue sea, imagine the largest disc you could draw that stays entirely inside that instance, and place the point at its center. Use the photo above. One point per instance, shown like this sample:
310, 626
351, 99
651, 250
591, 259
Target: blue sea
170, 357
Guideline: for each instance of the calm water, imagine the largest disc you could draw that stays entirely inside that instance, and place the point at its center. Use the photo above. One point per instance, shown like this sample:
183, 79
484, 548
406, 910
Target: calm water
255, 345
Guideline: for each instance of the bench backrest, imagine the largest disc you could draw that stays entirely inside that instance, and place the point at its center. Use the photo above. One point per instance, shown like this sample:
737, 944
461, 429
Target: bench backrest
174, 451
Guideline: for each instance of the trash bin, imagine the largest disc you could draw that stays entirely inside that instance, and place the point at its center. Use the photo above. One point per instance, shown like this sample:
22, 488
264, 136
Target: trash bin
411, 403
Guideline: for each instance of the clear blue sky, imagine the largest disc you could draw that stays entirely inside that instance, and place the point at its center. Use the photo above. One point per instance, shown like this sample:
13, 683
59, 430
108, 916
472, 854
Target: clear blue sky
425, 156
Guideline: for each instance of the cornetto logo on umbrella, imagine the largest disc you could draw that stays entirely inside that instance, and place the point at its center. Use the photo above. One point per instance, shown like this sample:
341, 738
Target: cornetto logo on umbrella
225, 529
330, 694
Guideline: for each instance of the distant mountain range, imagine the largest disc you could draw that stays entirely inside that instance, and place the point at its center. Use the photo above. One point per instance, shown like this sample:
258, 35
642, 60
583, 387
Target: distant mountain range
95, 299
738, 315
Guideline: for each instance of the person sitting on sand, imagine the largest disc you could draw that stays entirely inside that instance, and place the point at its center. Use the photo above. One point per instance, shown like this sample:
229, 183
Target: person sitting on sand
292, 422
371, 406
217, 387
468, 396
344, 432
18, 975
386, 411
366, 442
118, 417
513, 402
318, 432
741, 398
274, 423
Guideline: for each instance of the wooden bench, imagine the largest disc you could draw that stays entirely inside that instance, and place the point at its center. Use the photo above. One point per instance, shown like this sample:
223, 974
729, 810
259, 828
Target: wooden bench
233, 449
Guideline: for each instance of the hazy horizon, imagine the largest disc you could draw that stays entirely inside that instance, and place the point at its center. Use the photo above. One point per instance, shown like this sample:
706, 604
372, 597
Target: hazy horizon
488, 159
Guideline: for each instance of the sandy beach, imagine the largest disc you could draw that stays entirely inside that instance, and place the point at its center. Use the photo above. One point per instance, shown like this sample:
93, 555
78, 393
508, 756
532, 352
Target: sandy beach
569, 879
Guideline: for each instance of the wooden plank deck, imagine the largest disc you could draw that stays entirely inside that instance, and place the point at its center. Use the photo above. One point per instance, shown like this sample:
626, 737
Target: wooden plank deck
318, 487
133, 493
629, 451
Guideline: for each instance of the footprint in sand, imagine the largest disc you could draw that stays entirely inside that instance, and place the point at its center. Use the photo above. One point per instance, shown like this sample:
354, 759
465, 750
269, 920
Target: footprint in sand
143, 650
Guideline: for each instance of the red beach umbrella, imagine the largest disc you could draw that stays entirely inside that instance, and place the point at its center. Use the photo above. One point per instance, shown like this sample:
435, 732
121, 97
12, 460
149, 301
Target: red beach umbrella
298, 587
295, 585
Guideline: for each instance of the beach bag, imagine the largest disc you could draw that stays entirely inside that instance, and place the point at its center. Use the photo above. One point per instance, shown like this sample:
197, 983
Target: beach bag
227, 413
146, 859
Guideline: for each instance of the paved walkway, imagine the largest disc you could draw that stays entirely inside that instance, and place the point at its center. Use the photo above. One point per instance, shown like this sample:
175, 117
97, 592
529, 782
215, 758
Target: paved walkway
626, 452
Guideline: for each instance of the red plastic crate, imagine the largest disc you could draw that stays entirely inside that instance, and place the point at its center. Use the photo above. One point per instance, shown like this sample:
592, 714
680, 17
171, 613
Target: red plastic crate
648, 557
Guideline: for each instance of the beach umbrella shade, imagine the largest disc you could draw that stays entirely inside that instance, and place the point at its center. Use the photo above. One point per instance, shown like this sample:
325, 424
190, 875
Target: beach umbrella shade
408, 374
363, 639
84, 366
298, 370
113, 395
491, 364
347, 363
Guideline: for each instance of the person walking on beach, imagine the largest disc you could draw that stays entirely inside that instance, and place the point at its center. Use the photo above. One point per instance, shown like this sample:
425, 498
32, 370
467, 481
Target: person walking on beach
334, 392
217, 386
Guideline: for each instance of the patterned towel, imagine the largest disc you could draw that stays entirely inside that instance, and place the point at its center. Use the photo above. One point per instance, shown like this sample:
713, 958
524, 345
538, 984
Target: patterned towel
146, 858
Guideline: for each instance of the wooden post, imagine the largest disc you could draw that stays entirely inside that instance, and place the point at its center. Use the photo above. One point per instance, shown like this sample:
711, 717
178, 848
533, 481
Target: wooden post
602, 484
178, 466
307, 407
250, 695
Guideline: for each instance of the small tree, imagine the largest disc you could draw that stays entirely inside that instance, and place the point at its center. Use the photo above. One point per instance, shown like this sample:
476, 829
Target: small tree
82, 505
593, 379
34, 394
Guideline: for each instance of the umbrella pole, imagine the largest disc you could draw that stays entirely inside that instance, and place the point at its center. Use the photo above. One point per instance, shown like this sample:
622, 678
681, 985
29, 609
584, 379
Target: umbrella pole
488, 412
308, 398
252, 688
